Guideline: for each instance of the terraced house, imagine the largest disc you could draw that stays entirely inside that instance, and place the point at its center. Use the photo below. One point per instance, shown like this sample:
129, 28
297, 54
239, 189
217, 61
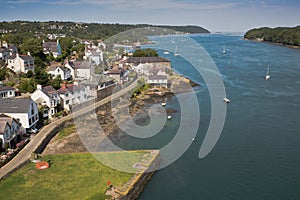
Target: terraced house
20, 63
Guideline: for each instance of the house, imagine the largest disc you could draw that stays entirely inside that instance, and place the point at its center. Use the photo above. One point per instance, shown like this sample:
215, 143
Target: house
4, 53
24, 110
57, 70
10, 130
47, 97
20, 63
80, 70
158, 81
117, 73
52, 48
7, 92
72, 94
93, 54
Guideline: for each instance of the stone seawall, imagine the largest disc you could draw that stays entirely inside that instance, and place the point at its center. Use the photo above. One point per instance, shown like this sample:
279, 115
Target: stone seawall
135, 186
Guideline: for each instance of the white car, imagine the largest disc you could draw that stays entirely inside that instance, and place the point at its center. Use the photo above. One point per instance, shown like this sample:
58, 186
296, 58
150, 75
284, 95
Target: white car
34, 130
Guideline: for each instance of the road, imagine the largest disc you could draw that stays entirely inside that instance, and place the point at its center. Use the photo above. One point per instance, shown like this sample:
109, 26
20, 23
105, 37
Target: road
35, 142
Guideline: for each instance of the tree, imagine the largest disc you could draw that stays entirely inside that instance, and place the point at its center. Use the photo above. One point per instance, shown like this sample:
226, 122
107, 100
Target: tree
26, 85
2, 73
41, 77
56, 82
145, 53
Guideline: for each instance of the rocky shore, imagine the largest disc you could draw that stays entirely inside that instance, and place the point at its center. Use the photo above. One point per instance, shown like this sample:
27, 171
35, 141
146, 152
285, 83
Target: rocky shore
138, 107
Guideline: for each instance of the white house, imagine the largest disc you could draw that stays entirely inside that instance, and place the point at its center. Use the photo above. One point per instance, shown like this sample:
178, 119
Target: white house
72, 94
20, 63
80, 70
46, 96
158, 81
25, 110
7, 92
10, 130
60, 71
93, 53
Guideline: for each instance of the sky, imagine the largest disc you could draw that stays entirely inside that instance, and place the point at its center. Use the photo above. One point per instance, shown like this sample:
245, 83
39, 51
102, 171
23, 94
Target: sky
214, 15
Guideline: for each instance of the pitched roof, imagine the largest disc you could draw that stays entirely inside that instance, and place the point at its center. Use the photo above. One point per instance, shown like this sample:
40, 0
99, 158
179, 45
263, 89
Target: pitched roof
14, 105
5, 88
6, 118
49, 90
83, 64
24, 57
138, 60
158, 77
3, 124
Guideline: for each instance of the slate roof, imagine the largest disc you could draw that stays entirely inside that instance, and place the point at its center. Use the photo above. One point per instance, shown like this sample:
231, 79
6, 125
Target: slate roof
49, 90
24, 57
3, 124
158, 77
15, 105
5, 88
138, 60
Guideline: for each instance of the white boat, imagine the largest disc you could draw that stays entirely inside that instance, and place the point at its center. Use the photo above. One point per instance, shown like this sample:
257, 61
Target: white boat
169, 116
163, 103
224, 50
176, 52
226, 100
268, 76
166, 52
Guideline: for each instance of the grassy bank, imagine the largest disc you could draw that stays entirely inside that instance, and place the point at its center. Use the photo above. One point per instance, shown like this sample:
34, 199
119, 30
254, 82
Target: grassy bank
70, 176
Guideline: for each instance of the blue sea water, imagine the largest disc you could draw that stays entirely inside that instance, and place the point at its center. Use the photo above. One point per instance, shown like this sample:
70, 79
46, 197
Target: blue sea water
258, 153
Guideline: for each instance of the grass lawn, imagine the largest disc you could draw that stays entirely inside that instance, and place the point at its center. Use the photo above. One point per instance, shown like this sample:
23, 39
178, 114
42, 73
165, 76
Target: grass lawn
66, 131
70, 176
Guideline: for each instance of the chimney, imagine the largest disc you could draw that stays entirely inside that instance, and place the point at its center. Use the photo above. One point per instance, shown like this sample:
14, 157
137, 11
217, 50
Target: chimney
39, 87
63, 85
28, 53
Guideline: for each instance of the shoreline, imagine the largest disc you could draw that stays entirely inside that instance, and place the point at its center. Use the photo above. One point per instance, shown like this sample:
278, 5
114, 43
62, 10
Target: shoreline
278, 44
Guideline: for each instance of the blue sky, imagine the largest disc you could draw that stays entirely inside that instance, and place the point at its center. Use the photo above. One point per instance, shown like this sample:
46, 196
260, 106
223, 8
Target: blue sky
215, 15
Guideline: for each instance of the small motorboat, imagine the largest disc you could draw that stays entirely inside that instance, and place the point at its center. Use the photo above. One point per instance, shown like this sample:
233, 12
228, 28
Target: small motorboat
226, 100
163, 103
169, 116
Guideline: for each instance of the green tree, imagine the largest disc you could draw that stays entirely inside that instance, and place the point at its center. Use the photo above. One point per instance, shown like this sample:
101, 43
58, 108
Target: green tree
41, 77
56, 82
2, 73
145, 53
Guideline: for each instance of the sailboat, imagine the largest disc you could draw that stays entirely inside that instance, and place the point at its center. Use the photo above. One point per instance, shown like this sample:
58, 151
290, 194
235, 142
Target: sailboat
268, 76
176, 52
224, 50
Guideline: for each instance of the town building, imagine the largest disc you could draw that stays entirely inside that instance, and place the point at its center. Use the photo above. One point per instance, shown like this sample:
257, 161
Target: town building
11, 131
7, 92
48, 98
24, 110
20, 63
52, 48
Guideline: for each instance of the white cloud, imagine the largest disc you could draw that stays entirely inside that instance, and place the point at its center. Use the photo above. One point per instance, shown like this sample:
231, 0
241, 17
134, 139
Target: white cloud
22, 1
150, 4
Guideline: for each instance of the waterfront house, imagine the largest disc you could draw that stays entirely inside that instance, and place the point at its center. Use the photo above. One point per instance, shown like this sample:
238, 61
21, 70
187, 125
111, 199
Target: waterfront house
24, 110
47, 97
10, 130
7, 92
158, 81
20, 63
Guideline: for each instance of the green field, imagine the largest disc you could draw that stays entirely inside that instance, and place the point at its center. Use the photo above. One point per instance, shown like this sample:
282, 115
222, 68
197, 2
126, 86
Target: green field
70, 176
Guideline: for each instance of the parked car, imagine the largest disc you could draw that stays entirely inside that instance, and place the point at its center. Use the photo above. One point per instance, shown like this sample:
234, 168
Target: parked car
34, 130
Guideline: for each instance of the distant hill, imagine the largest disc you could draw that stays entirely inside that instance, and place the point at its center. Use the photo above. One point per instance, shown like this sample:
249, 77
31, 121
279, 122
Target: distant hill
280, 35
91, 31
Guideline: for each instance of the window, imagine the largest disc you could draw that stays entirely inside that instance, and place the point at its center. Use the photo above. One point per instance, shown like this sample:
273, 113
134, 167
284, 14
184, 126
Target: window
67, 102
